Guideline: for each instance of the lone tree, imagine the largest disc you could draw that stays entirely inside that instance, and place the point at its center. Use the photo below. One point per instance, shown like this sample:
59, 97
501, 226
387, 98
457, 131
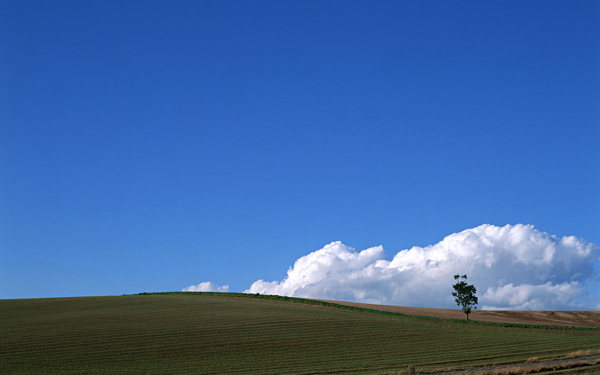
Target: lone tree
464, 294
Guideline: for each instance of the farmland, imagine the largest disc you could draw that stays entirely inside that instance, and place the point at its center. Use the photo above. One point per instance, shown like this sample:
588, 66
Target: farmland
590, 319
225, 334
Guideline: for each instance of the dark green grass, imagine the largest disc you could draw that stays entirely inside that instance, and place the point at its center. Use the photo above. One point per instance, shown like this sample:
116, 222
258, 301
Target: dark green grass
225, 334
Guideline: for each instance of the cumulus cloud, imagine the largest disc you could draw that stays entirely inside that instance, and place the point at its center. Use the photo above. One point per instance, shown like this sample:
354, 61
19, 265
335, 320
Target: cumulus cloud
513, 267
206, 287
533, 297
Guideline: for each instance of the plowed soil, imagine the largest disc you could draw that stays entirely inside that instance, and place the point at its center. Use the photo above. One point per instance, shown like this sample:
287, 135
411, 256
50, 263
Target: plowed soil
554, 318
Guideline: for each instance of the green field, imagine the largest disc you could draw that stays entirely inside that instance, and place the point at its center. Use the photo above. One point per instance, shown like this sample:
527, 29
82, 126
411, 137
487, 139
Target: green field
217, 334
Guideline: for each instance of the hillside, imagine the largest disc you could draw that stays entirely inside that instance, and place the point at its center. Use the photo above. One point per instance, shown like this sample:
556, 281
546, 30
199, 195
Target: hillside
590, 319
199, 333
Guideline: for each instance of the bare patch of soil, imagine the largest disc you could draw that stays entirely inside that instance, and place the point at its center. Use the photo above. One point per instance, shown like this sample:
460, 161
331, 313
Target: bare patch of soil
555, 318
531, 366
525, 368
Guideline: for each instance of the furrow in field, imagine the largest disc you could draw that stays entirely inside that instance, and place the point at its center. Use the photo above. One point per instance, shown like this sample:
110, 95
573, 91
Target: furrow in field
195, 334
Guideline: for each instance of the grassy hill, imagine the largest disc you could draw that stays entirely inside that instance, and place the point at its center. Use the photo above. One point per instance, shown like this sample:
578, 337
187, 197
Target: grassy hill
211, 333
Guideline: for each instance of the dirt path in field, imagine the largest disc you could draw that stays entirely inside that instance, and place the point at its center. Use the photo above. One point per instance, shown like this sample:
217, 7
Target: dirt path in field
554, 318
524, 368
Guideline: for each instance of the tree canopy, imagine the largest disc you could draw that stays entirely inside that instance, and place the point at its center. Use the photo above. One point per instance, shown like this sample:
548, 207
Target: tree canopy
464, 294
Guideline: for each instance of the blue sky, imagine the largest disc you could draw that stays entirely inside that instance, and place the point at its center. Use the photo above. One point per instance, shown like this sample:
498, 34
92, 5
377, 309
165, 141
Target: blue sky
149, 146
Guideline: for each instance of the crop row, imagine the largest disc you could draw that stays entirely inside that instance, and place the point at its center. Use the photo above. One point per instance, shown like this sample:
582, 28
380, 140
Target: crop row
216, 334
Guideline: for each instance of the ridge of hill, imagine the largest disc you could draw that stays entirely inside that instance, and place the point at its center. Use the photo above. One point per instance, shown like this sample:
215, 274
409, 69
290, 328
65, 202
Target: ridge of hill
581, 319
577, 320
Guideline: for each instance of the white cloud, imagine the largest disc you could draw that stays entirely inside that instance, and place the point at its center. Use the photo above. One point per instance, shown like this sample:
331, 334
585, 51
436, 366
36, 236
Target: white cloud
513, 267
206, 287
533, 297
